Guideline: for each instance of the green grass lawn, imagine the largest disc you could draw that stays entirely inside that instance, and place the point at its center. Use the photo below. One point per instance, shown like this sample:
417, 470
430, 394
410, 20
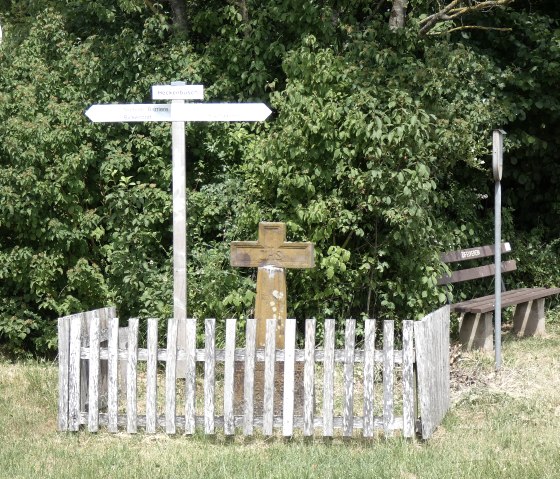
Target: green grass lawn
505, 425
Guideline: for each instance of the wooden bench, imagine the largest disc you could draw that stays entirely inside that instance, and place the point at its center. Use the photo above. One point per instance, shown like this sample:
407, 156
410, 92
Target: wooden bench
476, 328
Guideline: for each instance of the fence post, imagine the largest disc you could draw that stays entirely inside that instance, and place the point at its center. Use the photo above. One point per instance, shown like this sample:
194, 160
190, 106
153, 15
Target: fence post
92, 318
328, 378
369, 377
63, 364
348, 414
388, 377
151, 376
209, 375
131, 377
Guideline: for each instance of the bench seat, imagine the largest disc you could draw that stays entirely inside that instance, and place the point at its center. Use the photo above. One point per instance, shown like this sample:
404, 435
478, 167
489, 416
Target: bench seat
485, 304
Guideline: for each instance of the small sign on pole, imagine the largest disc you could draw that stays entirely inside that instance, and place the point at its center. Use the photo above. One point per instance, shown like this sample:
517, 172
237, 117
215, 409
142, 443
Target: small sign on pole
178, 92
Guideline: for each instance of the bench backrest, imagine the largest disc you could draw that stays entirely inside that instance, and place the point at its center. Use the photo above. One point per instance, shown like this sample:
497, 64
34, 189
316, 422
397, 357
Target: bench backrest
478, 272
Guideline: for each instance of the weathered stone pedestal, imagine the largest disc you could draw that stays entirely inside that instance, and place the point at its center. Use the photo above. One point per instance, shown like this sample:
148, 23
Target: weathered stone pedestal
528, 319
477, 331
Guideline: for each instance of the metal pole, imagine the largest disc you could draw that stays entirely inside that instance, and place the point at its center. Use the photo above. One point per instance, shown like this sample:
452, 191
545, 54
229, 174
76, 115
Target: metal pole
179, 181
497, 161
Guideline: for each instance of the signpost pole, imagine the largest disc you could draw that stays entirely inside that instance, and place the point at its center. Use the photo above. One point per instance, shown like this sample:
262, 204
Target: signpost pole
179, 181
497, 161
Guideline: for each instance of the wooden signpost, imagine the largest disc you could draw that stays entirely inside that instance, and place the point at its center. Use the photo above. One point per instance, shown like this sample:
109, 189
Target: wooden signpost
178, 113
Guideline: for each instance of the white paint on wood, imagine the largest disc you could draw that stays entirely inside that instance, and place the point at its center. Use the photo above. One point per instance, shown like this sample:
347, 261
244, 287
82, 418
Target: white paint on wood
93, 390
179, 180
170, 376
289, 369
190, 376
229, 423
431, 337
369, 377
151, 376
408, 379
63, 360
220, 112
177, 92
131, 377
209, 376
388, 376
74, 387
348, 387
112, 372
149, 112
328, 378
269, 363
309, 378
249, 380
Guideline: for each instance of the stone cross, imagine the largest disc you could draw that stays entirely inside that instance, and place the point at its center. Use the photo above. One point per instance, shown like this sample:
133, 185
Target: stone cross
271, 254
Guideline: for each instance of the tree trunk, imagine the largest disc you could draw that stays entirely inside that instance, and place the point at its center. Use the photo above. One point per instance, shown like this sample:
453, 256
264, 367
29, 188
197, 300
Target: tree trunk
179, 16
398, 14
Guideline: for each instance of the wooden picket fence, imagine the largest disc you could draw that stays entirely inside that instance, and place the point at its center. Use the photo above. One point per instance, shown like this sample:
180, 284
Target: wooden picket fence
102, 384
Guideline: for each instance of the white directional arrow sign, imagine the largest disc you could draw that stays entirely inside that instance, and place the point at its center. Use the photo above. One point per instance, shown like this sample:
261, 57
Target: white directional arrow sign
178, 112
219, 112
131, 112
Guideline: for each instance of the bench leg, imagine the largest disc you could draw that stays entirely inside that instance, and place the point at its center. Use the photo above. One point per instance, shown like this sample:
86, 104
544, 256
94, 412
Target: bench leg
528, 319
477, 331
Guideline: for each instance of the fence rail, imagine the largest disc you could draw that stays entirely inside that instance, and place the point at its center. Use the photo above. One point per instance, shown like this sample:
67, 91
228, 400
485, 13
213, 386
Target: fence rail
104, 385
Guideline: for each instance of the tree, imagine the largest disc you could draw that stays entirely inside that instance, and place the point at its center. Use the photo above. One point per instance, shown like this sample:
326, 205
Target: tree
377, 151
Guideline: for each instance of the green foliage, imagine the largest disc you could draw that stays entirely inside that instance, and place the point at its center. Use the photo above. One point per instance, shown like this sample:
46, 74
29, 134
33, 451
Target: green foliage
378, 152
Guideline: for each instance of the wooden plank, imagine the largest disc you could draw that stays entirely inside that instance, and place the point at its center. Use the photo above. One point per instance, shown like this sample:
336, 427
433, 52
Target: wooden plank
63, 358
171, 376
219, 421
132, 377
229, 423
485, 304
249, 380
74, 389
209, 375
423, 374
269, 366
151, 376
240, 355
328, 378
369, 377
289, 377
408, 379
112, 373
190, 376
431, 337
388, 376
445, 324
93, 390
348, 413
123, 358
487, 301
476, 273
472, 253
104, 315
84, 364
309, 378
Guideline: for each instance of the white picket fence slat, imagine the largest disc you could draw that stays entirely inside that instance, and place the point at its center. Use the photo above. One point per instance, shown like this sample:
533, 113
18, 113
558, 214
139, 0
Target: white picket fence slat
391, 393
